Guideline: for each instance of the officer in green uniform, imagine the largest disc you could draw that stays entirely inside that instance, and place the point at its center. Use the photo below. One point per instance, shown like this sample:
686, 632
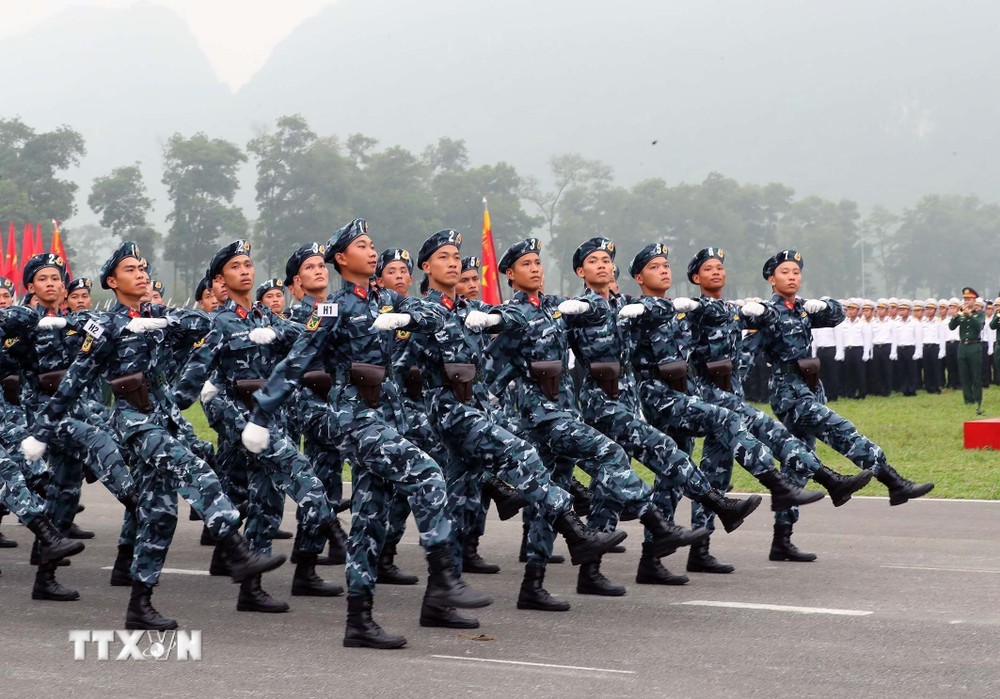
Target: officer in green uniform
970, 354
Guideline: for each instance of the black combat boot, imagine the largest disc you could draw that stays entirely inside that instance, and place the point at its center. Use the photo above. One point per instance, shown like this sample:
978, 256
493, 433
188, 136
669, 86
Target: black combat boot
591, 581
193, 516
900, 489
522, 555
585, 545
338, 544
244, 563
141, 614
280, 534
35, 559
472, 562
667, 536
841, 487
782, 548
206, 537
48, 588
362, 631
6, 543
582, 497
652, 572
389, 573
445, 618
508, 501
730, 511
307, 583
121, 572
219, 565
51, 546
701, 561
75, 532
253, 598
445, 587
784, 493
534, 596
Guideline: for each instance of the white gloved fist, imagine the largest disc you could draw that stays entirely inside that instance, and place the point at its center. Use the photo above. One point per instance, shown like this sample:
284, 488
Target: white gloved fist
814, 306
631, 310
838, 357
263, 336
572, 307
477, 320
391, 321
208, 392
739, 302
892, 356
32, 449
143, 325
752, 309
255, 438
684, 305
48, 322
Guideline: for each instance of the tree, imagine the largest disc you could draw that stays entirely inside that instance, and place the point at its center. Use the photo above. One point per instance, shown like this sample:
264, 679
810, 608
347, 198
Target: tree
30, 189
201, 178
121, 200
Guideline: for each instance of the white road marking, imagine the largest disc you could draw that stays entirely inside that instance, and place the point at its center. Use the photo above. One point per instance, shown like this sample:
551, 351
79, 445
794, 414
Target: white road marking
947, 570
521, 662
178, 571
776, 608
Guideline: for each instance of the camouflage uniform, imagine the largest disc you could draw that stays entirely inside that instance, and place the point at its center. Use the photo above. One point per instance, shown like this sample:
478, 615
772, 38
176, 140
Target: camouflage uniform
369, 437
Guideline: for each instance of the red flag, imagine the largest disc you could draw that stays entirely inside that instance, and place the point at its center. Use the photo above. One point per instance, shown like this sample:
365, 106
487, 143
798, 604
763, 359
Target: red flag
490, 277
27, 249
57, 248
10, 262
39, 245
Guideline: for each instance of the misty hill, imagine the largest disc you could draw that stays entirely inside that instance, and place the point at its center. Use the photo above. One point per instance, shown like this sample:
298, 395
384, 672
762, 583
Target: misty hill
879, 102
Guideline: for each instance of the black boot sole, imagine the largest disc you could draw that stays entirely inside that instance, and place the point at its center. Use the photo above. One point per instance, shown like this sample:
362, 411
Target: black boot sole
561, 606
480, 569
378, 645
45, 596
791, 559
675, 580
165, 625
250, 607
334, 591
899, 497
601, 591
397, 580
437, 623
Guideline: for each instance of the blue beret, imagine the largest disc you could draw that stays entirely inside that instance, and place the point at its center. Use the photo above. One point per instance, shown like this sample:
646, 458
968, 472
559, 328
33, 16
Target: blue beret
203, 286
703, 256
301, 255
79, 283
37, 263
783, 256
123, 251
591, 246
643, 257
344, 237
437, 241
157, 286
7, 284
471, 262
393, 255
517, 251
268, 285
219, 260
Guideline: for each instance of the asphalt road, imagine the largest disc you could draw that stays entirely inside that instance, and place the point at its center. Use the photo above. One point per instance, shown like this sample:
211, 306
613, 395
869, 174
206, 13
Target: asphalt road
903, 601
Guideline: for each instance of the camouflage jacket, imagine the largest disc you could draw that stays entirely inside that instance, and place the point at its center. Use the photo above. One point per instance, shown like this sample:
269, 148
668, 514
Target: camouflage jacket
786, 334
660, 335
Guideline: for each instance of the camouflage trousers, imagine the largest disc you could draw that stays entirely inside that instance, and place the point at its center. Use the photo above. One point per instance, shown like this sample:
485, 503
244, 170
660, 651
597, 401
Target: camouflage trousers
228, 466
14, 492
808, 418
164, 466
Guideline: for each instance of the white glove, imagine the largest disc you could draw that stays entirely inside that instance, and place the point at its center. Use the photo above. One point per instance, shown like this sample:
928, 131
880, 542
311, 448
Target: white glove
255, 438
752, 309
142, 325
631, 310
838, 357
32, 449
391, 321
892, 356
572, 307
941, 353
263, 336
208, 392
477, 320
48, 322
739, 302
684, 305
814, 306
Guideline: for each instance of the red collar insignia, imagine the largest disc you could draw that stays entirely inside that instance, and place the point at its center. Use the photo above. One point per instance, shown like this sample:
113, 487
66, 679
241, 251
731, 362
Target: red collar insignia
360, 291
534, 301
241, 312
447, 302
132, 313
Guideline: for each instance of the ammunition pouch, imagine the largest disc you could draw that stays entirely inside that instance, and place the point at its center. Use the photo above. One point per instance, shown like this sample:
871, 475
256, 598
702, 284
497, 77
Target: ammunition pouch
245, 389
48, 383
319, 382
675, 375
721, 374
413, 382
368, 378
809, 370
460, 377
546, 375
606, 375
12, 389
133, 389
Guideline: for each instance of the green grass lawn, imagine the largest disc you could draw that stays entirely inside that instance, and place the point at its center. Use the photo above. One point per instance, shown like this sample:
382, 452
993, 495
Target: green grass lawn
921, 436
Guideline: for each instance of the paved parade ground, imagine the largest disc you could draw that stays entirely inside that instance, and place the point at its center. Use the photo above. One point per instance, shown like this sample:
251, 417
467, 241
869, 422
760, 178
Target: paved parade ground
903, 601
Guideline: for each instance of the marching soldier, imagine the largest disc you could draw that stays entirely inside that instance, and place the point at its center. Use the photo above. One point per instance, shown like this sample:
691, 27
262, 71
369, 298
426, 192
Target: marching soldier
271, 295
